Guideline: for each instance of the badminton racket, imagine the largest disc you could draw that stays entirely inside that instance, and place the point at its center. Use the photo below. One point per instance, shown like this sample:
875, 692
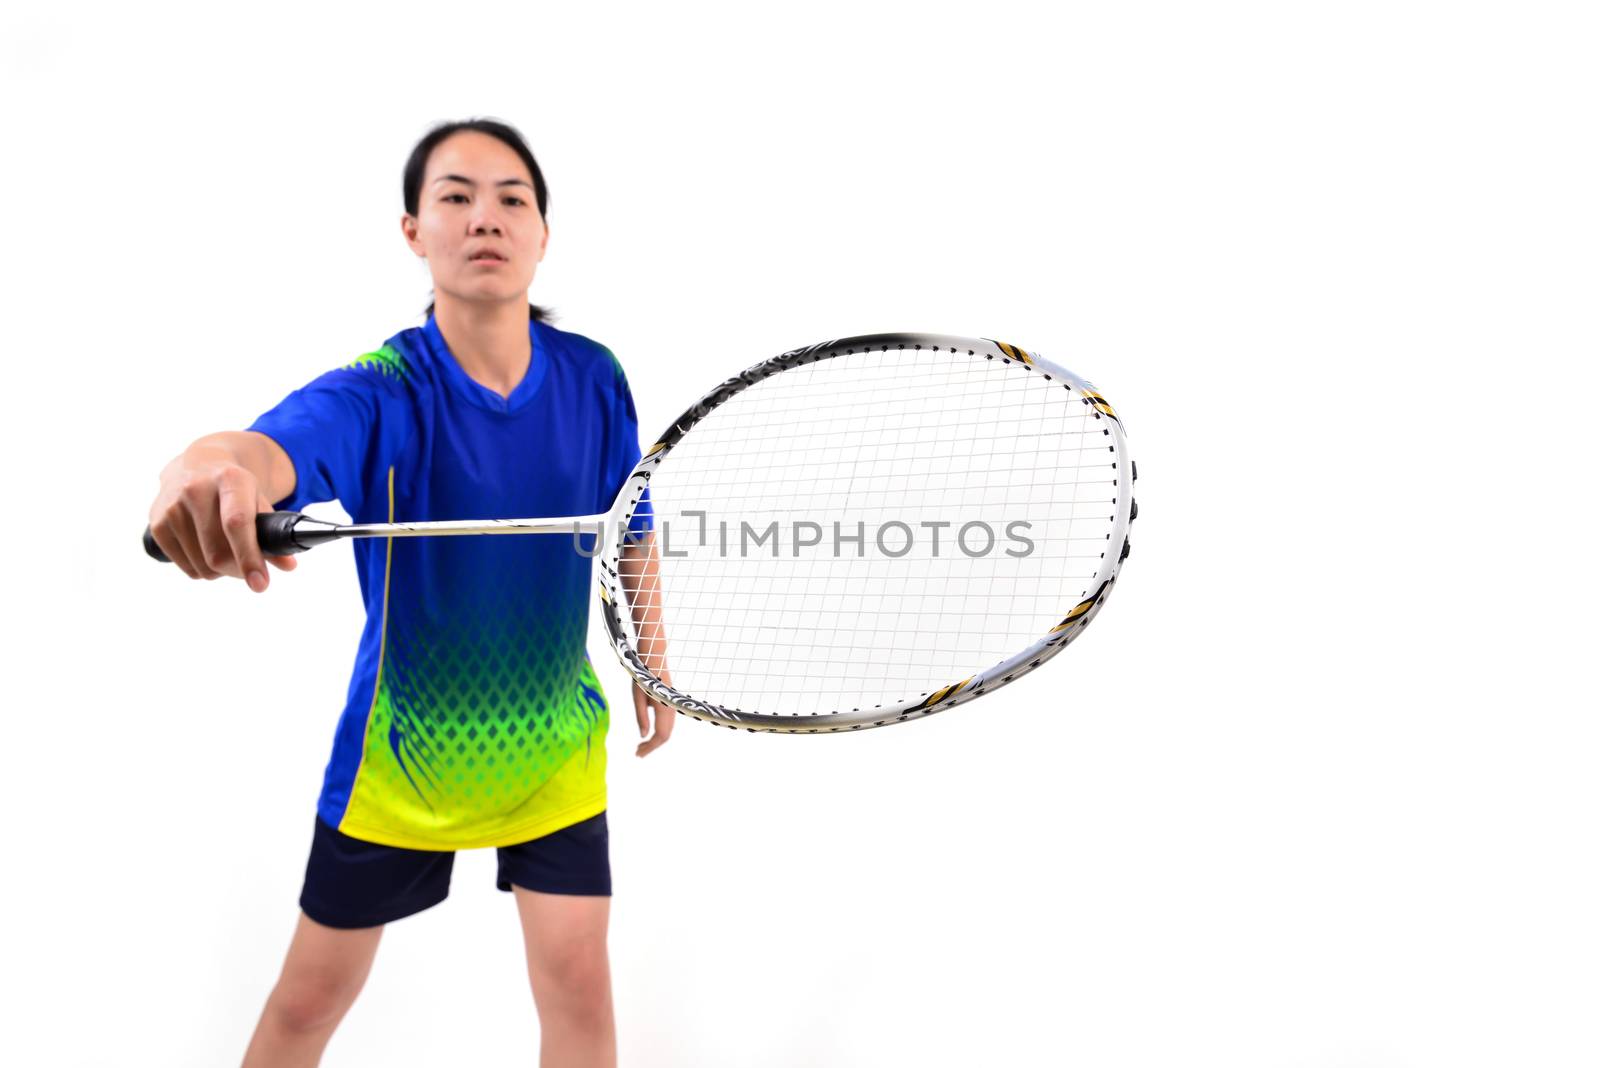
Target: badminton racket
848, 535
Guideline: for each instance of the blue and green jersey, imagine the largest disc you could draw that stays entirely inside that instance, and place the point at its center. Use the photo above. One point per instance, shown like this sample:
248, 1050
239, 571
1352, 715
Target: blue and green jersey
474, 717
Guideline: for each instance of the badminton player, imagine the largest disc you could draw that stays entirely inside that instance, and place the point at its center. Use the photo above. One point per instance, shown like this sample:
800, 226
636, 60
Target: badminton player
473, 717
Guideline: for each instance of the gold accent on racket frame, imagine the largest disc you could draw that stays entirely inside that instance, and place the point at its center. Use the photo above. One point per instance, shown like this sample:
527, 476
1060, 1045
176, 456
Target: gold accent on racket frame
1016, 353
1080, 610
941, 695
1100, 404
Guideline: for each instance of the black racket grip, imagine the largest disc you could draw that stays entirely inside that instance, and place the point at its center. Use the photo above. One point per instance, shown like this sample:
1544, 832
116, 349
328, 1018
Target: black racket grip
274, 533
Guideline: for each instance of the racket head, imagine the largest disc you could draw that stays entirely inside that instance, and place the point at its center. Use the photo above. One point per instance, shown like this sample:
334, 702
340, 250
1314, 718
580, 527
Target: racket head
932, 423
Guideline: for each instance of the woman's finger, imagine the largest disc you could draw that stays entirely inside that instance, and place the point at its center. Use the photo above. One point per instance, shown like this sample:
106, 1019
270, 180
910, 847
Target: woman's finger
282, 563
183, 528
166, 536
237, 515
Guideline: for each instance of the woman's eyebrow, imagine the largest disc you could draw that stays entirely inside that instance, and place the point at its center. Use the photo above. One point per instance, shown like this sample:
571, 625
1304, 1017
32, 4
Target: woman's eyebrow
469, 181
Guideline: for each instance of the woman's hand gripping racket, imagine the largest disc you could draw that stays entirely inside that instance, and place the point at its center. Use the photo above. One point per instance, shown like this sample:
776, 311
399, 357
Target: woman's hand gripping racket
848, 535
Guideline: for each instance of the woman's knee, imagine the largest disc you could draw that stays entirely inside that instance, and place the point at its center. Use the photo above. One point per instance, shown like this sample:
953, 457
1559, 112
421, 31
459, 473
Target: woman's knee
578, 974
311, 1003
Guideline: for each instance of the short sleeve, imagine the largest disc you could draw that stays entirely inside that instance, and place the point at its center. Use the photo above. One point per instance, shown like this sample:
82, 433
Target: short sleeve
622, 451
340, 430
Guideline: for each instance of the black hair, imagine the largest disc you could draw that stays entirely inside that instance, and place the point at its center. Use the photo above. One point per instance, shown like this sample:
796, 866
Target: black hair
411, 183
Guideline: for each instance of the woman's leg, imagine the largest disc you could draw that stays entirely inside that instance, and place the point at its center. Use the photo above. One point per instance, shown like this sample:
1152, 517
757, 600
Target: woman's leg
565, 936
322, 974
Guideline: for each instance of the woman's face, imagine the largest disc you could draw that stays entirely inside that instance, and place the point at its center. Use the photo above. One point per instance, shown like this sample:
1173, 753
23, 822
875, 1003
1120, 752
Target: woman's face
477, 221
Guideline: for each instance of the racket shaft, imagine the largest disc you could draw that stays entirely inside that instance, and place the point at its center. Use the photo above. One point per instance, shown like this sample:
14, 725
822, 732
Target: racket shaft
287, 533
585, 524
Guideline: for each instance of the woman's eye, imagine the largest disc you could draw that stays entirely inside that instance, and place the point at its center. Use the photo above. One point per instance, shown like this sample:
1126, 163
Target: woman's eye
452, 197
513, 200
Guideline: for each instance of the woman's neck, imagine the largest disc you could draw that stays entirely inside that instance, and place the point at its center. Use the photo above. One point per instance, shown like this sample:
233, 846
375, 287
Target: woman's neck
489, 341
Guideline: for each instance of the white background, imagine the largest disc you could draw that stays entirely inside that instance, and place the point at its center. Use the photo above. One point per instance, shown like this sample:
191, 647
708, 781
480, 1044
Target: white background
1317, 789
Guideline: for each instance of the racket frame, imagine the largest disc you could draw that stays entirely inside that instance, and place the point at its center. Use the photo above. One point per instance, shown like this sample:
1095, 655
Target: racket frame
613, 600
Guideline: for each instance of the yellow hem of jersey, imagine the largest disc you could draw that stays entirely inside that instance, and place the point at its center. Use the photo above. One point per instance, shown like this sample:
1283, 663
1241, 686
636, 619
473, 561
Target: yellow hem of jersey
522, 832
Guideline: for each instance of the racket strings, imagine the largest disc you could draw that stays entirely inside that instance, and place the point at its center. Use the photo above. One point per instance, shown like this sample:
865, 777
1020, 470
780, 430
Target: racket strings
867, 529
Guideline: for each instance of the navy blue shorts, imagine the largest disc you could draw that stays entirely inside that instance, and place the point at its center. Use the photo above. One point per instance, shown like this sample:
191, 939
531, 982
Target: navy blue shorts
351, 883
